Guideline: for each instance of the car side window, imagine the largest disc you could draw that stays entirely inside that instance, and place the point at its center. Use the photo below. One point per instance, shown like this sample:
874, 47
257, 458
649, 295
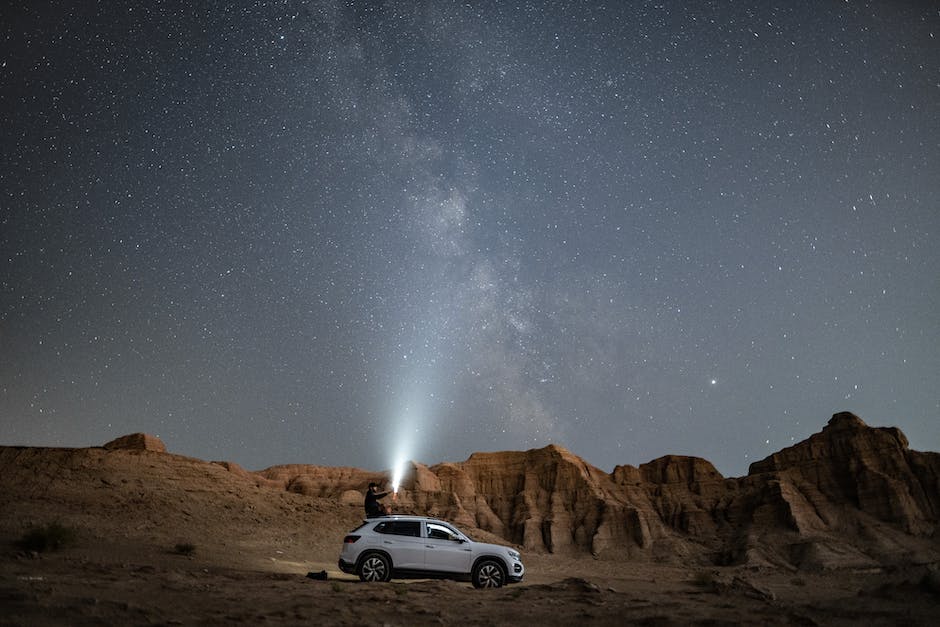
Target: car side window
410, 528
382, 528
400, 528
440, 532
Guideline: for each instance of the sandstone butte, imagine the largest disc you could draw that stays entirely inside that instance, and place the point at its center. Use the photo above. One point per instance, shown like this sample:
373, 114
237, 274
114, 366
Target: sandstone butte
849, 496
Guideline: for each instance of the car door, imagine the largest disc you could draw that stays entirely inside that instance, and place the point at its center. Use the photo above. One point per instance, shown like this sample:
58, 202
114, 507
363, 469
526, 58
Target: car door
446, 550
402, 540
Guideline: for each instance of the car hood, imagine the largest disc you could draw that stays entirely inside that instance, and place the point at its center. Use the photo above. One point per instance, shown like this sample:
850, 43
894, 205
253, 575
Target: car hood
485, 546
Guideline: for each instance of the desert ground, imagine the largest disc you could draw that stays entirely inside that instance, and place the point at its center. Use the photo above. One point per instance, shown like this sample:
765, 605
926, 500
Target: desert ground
101, 582
164, 540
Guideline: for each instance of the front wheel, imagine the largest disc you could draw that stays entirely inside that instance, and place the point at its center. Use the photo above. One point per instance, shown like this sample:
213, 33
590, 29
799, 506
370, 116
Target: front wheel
374, 567
488, 574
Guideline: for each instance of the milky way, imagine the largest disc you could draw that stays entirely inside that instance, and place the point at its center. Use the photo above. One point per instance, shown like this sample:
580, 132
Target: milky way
320, 232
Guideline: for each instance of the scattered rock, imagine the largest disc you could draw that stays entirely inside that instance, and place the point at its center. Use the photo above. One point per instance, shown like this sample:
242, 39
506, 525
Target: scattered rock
578, 584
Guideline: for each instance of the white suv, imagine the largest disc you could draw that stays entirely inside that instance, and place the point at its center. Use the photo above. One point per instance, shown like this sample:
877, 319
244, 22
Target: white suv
415, 546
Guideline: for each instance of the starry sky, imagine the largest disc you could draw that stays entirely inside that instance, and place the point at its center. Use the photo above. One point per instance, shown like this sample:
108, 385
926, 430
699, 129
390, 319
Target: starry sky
341, 232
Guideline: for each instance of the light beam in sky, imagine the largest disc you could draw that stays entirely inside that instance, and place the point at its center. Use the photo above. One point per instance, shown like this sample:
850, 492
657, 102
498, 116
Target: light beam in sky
398, 469
404, 448
408, 423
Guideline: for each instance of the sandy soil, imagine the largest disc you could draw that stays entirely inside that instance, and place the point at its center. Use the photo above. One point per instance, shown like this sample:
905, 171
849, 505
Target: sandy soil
101, 583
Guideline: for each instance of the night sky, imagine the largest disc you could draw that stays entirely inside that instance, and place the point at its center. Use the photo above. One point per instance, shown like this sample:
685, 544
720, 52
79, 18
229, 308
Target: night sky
337, 232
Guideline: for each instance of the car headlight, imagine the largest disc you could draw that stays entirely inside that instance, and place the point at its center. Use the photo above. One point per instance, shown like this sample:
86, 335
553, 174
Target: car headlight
513, 554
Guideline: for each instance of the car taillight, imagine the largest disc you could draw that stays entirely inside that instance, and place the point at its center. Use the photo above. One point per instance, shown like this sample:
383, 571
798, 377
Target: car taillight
350, 539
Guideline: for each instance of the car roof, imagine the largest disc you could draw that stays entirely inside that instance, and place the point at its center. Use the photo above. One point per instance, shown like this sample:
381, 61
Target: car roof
405, 517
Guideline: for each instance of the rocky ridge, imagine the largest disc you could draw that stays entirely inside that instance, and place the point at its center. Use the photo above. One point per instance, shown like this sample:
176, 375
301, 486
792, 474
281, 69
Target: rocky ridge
849, 496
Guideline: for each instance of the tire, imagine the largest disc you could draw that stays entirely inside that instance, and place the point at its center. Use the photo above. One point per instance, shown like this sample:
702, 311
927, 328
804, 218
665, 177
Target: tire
374, 567
488, 573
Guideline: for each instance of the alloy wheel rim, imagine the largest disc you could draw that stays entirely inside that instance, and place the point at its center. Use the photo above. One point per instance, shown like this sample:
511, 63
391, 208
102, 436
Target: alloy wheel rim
490, 576
373, 569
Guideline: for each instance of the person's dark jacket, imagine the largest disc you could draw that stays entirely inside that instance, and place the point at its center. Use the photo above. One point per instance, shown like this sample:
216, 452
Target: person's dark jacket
373, 508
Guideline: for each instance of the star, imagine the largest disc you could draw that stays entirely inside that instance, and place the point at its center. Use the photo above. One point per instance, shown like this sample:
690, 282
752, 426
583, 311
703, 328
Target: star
331, 234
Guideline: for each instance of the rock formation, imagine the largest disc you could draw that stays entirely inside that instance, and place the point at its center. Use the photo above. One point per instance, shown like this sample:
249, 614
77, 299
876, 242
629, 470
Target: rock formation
872, 470
137, 442
849, 496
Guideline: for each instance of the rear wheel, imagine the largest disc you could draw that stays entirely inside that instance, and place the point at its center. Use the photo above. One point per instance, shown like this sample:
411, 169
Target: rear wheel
488, 574
374, 567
